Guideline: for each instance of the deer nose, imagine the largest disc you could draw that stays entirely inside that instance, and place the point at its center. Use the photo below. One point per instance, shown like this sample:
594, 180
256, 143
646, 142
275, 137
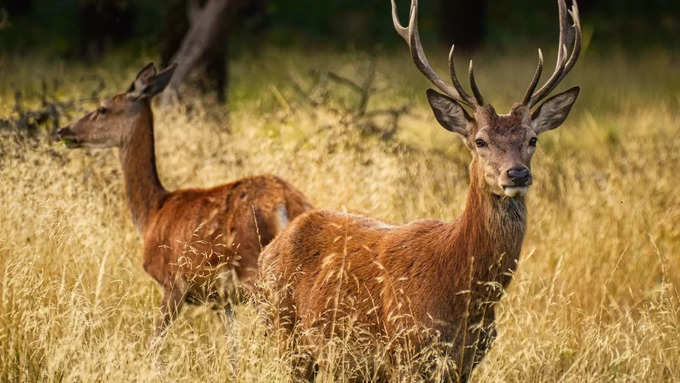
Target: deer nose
520, 176
62, 132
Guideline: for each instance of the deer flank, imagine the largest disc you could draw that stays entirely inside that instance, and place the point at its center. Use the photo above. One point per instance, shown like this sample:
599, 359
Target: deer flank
440, 277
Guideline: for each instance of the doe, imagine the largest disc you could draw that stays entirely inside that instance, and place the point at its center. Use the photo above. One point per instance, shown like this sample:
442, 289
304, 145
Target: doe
444, 277
199, 244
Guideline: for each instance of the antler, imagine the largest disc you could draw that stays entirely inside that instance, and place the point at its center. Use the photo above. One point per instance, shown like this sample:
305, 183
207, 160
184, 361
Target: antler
564, 64
412, 37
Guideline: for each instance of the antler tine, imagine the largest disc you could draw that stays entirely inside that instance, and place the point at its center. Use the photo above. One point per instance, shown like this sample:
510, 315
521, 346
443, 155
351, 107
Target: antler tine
401, 30
534, 81
563, 64
576, 51
412, 37
562, 20
454, 78
473, 85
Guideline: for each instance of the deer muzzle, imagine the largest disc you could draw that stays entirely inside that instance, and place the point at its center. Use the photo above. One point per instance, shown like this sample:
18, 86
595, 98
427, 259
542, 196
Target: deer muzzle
519, 181
68, 137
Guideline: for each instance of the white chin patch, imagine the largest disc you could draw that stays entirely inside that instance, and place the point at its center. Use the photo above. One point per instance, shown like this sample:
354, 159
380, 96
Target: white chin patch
515, 191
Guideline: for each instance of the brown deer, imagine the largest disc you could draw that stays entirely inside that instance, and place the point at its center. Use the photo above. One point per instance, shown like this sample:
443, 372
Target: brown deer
442, 277
197, 242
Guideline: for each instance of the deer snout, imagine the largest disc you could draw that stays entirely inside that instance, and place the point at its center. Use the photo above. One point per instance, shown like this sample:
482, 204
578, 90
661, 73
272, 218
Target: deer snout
67, 135
520, 176
62, 132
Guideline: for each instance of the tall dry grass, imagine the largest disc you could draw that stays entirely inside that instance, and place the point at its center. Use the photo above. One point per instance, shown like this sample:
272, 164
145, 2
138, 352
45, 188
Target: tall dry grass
596, 296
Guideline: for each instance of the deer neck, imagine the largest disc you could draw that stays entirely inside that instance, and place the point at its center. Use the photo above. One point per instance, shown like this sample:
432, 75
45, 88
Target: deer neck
144, 191
487, 238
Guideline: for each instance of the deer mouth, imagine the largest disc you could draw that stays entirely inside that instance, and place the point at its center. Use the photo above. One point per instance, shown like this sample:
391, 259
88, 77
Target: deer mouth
71, 143
515, 191
66, 136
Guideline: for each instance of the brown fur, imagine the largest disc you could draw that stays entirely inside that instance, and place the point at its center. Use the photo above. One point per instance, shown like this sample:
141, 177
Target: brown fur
415, 274
199, 244
328, 270
437, 278
191, 237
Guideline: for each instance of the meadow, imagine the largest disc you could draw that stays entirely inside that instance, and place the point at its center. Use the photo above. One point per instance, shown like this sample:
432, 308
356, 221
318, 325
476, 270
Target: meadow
596, 296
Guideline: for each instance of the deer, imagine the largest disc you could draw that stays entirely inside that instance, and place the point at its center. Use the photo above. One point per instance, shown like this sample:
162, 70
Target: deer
200, 245
442, 278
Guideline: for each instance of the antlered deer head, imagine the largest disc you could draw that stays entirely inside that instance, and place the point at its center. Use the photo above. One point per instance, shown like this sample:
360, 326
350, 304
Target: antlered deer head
501, 145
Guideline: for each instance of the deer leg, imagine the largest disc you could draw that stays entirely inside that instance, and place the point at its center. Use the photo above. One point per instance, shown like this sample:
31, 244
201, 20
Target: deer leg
231, 334
478, 342
305, 367
484, 339
232, 294
173, 299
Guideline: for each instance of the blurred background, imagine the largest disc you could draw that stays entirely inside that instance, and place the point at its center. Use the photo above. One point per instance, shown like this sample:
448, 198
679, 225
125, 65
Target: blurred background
324, 94
86, 30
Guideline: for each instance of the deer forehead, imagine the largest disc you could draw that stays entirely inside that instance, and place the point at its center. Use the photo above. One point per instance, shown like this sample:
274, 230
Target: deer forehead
121, 103
504, 128
116, 100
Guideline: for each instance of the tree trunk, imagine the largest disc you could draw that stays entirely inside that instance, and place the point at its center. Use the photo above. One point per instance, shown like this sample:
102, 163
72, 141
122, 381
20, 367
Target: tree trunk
206, 25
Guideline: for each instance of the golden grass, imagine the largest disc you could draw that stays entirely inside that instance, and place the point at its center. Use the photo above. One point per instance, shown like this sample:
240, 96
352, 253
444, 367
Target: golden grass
596, 296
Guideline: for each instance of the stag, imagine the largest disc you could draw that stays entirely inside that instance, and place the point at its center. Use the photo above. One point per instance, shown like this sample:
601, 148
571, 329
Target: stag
443, 278
200, 245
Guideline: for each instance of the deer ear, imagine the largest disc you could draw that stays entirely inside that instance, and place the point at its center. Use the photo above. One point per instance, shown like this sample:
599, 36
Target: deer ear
142, 78
159, 81
449, 113
554, 111
147, 87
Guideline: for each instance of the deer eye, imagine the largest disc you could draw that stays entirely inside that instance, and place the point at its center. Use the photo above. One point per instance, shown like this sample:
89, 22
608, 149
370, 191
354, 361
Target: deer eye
102, 110
533, 141
480, 143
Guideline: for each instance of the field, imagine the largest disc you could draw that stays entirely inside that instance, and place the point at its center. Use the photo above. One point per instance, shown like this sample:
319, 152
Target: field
596, 297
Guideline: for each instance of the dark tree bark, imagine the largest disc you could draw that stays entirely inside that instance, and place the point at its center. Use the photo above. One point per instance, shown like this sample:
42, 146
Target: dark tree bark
204, 43
196, 36
463, 22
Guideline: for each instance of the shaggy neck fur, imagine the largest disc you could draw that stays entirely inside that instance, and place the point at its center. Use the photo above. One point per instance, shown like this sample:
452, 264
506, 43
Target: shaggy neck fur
485, 241
144, 191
